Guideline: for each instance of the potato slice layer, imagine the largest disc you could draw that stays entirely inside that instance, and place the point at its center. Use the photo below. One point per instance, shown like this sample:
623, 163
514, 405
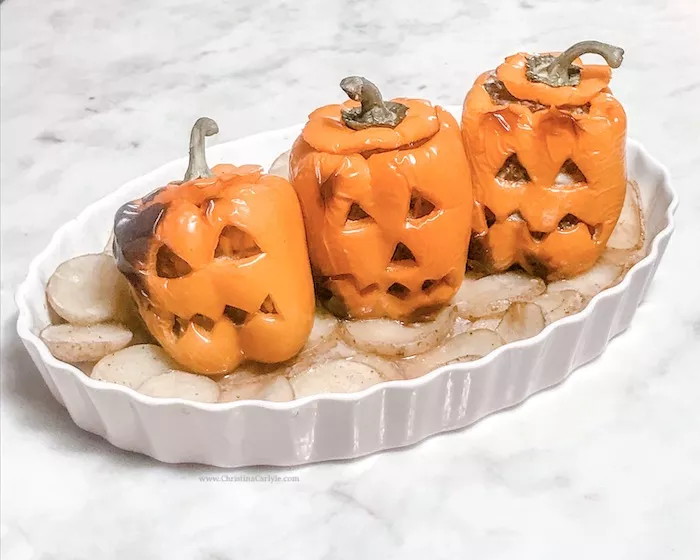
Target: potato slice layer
133, 366
89, 289
85, 343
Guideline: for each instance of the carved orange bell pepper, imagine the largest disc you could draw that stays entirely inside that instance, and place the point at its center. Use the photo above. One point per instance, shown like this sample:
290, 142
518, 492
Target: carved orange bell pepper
546, 142
386, 193
218, 264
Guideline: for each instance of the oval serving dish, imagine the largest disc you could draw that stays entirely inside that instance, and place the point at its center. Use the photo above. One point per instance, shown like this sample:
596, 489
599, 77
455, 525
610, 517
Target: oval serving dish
334, 426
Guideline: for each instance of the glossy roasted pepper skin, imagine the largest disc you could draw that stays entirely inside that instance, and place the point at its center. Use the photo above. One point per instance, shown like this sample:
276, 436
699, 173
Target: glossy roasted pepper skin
548, 167
219, 268
387, 210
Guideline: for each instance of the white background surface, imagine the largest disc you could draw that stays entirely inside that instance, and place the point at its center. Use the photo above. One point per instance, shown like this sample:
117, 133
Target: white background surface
606, 465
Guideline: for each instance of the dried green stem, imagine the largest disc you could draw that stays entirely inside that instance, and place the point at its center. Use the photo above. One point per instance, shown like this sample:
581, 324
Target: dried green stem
373, 110
559, 71
198, 167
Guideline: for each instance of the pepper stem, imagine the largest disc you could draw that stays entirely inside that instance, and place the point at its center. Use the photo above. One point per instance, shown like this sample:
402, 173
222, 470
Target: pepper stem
198, 167
559, 71
373, 110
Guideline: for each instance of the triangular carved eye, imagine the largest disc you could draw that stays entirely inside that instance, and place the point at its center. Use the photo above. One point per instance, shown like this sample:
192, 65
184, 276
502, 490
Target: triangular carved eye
356, 213
513, 171
169, 265
268, 306
237, 315
570, 174
403, 255
419, 206
236, 244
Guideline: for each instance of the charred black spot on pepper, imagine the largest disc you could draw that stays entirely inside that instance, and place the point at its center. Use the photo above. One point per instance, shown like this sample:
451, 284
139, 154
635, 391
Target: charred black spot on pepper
133, 221
536, 267
150, 196
138, 281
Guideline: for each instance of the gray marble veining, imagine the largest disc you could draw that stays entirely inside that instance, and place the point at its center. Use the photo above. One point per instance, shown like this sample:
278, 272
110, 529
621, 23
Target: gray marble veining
606, 465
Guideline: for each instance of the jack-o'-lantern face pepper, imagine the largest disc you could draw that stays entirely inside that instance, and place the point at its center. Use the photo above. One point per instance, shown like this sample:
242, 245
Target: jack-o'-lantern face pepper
546, 142
386, 194
218, 264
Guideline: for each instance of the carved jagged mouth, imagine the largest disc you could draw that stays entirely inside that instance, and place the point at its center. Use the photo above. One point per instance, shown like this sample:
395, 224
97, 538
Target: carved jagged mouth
397, 290
567, 223
203, 323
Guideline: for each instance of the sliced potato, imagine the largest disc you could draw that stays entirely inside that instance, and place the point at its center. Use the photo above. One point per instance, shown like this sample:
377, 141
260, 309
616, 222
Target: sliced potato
248, 380
490, 323
134, 365
601, 276
557, 305
522, 320
250, 371
629, 231
181, 385
89, 289
464, 347
392, 338
388, 369
280, 167
323, 331
278, 390
623, 258
54, 318
490, 295
335, 350
337, 376
85, 343
241, 391
460, 326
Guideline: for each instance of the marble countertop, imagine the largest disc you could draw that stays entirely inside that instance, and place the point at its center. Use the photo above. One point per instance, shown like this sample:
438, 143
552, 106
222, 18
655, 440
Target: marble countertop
604, 466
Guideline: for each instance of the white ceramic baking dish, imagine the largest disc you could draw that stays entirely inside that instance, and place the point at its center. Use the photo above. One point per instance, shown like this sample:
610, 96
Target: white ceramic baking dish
319, 428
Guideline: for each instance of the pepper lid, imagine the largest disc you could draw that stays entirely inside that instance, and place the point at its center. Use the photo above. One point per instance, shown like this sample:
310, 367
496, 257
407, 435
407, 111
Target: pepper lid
560, 78
368, 122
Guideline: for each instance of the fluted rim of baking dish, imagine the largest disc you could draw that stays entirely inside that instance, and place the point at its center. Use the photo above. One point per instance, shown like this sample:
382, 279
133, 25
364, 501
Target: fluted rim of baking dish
24, 294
